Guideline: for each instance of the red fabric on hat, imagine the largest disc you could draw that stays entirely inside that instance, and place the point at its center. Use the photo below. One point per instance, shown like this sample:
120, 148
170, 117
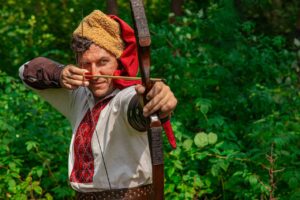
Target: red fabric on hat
129, 58
129, 61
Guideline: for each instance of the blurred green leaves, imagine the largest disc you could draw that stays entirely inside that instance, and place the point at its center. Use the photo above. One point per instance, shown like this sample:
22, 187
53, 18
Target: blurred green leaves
31, 156
233, 65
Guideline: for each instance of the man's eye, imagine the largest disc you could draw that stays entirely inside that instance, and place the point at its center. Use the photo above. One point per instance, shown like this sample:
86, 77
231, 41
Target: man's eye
103, 62
85, 65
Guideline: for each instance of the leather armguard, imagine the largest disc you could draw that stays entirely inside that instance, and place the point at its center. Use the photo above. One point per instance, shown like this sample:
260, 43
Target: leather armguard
42, 73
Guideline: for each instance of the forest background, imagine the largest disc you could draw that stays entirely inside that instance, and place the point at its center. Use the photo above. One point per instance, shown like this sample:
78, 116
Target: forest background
234, 66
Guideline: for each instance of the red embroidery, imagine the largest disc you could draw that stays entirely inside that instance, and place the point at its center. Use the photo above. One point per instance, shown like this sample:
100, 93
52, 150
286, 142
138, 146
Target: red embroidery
83, 169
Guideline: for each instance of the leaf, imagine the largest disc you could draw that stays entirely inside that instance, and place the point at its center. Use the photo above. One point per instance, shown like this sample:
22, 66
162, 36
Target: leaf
38, 189
39, 171
224, 164
22, 197
203, 105
28, 178
207, 182
187, 144
215, 170
219, 144
169, 188
12, 166
201, 140
296, 42
204, 109
178, 164
198, 182
12, 185
202, 155
171, 171
212, 138
185, 178
252, 180
238, 173
30, 145
48, 196
217, 121
176, 152
15, 175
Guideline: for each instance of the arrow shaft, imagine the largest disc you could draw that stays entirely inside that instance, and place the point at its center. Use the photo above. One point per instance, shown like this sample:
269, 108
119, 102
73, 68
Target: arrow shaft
128, 78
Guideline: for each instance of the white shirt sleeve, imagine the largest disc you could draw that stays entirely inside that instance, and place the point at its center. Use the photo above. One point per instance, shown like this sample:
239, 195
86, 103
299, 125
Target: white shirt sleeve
61, 99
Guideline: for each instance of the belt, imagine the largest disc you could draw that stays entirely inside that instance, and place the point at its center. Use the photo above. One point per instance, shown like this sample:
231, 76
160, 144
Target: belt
138, 193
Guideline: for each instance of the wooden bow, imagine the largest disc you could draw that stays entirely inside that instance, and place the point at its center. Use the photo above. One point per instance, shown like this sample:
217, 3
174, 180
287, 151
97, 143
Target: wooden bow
154, 128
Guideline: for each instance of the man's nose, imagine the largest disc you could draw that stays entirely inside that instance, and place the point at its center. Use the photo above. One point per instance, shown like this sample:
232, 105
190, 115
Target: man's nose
94, 69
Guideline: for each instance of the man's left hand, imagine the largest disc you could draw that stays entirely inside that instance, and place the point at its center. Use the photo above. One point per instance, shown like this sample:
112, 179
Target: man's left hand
161, 99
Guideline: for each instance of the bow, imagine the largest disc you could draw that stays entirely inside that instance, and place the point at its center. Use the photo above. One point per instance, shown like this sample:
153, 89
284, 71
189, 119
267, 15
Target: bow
154, 128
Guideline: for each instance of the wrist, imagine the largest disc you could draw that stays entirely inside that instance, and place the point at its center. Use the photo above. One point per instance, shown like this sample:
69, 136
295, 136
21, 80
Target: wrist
57, 75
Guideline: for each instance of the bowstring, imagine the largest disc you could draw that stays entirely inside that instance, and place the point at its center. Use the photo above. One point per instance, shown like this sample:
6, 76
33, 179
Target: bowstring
98, 140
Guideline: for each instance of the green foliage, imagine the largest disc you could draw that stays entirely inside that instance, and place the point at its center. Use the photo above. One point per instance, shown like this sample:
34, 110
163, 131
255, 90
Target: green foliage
241, 86
33, 146
39, 28
272, 16
236, 79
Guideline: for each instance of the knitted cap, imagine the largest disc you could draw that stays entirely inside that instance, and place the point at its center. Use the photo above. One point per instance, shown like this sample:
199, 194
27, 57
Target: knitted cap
101, 30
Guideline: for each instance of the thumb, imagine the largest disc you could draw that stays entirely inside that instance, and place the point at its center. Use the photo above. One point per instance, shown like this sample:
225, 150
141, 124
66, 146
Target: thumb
140, 89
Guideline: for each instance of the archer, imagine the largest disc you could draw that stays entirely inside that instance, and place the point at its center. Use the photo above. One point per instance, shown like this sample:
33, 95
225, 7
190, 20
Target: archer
109, 155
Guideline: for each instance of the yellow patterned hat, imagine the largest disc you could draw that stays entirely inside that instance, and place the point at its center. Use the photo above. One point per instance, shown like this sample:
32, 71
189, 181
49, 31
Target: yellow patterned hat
103, 31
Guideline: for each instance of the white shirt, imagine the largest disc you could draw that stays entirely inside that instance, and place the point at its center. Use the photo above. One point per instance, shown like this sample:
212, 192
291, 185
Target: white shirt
125, 150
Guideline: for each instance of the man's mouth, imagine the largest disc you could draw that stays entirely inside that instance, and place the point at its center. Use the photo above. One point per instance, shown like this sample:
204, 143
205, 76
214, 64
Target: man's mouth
98, 83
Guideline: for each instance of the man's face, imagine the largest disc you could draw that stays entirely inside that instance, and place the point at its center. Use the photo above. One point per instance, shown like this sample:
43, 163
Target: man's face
98, 61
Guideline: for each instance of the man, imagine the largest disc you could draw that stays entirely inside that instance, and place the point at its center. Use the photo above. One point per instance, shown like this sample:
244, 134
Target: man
109, 153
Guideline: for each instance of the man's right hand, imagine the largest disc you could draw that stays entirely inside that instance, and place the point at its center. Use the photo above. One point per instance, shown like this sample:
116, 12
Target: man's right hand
72, 77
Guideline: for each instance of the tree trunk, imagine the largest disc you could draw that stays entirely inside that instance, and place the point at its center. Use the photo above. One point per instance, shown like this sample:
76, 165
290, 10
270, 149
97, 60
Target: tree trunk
298, 27
176, 7
112, 7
